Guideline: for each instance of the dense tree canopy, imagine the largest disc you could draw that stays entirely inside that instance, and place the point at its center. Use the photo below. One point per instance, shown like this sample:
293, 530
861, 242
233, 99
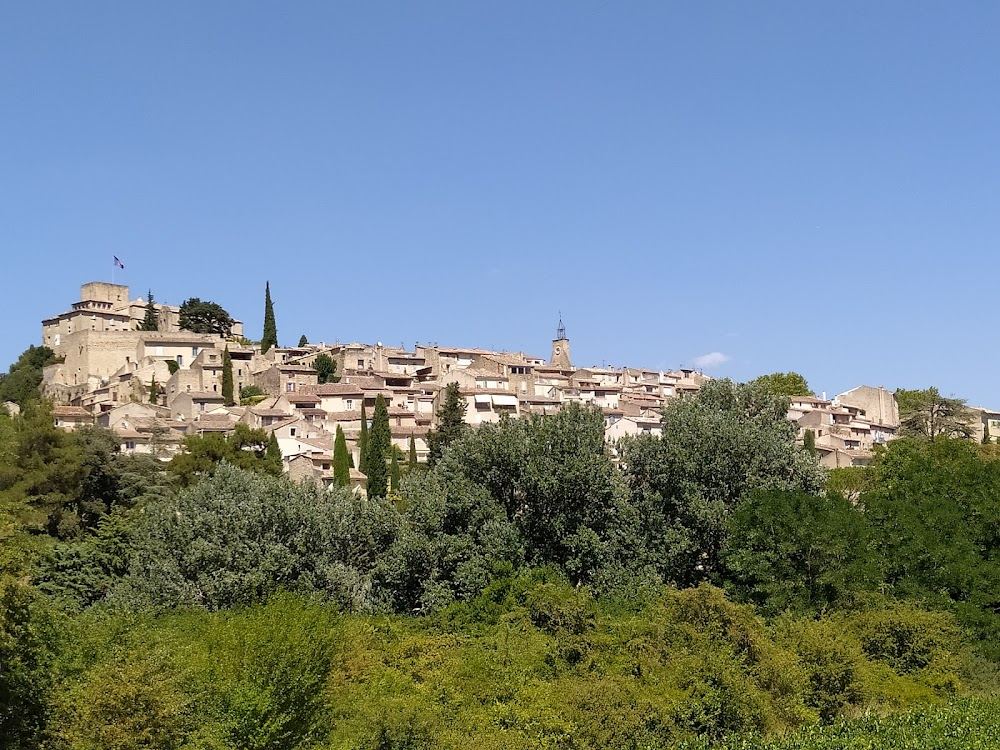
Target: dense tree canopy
246, 448
20, 384
526, 578
784, 384
237, 536
205, 317
796, 550
326, 369
926, 413
450, 423
718, 445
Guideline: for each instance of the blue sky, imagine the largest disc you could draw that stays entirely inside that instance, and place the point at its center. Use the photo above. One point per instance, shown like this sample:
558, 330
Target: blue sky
786, 185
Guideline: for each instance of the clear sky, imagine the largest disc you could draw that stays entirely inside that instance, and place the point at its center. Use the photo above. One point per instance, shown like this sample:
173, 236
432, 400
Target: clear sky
752, 186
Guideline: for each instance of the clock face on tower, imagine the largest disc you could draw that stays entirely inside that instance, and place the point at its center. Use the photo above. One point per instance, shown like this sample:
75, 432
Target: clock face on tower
558, 350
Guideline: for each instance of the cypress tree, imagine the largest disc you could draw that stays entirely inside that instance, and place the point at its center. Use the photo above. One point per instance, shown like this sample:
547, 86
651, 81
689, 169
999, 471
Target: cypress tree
341, 460
154, 392
363, 441
986, 434
227, 378
270, 337
152, 320
379, 443
413, 453
809, 441
450, 419
394, 473
273, 453
303, 341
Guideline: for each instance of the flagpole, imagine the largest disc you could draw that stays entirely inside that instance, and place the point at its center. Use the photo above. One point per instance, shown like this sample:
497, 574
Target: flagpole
113, 266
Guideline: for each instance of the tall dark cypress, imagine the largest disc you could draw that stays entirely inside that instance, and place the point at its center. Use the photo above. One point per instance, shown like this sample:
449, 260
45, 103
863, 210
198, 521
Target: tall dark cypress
413, 454
379, 444
227, 378
363, 440
272, 455
341, 459
394, 473
270, 337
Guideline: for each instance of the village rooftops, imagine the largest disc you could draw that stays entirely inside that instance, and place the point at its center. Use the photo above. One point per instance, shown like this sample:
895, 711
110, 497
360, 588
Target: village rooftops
336, 389
70, 411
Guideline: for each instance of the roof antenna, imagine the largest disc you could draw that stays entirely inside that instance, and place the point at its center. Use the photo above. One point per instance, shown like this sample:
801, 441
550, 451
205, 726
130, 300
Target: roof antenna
561, 331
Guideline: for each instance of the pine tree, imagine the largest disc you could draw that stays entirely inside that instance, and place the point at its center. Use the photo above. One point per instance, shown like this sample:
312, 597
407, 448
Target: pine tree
303, 341
270, 337
363, 440
450, 423
154, 392
341, 460
227, 378
152, 320
394, 473
413, 454
273, 453
377, 449
326, 368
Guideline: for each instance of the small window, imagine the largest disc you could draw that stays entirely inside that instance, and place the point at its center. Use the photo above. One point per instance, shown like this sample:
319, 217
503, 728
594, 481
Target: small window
349, 404
292, 431
290, 387
361, 364
180, 360
194, 352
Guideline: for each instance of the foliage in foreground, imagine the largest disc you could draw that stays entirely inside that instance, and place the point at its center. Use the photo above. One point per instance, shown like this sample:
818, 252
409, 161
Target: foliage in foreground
969, 724
532, 662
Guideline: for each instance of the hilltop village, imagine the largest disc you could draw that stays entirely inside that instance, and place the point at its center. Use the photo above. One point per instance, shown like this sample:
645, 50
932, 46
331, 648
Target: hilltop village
154, 387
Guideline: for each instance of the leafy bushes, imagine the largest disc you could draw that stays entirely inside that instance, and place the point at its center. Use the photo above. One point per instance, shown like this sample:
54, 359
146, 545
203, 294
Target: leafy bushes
236, 538
239, 679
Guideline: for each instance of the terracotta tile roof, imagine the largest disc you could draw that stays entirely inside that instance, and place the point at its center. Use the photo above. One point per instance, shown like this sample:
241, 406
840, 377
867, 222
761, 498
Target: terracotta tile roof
324, 443
302, 398
344, 416
336, 389
397, 432
70, 411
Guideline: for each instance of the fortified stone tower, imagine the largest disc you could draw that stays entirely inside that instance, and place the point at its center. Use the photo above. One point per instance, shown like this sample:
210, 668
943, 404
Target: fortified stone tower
560, 348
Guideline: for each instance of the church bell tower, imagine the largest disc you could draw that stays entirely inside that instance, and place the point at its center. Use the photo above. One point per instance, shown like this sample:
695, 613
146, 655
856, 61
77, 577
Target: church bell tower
560, 348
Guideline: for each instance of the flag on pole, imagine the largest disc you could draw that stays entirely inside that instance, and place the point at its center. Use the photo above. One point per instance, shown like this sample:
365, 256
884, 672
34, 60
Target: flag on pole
118, 262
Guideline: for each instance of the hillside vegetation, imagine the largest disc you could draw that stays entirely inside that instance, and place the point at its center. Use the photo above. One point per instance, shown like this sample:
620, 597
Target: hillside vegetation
535, 588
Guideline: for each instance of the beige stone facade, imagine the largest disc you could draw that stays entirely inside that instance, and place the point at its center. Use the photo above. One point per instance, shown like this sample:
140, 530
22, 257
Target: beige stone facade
109, 368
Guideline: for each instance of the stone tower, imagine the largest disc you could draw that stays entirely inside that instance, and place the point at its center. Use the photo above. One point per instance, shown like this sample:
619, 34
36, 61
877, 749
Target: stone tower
560, 348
